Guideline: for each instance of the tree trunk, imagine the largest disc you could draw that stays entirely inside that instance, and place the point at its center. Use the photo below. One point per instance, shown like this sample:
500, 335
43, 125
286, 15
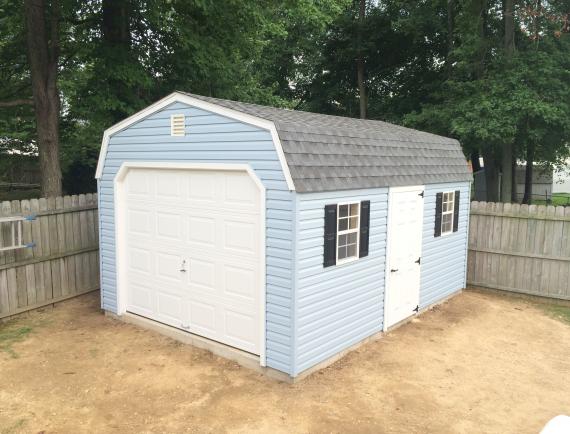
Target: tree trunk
507, 155
491, 176
116, 43
514, 192
43, 54
509, 23
527, 198
475, 164
450, 33
360, 60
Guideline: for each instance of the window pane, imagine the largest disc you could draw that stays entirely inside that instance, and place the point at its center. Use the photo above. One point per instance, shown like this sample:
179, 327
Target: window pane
446, 221
351, 251
342, 240
341, 252
343, 210
343, 224
354, 209
351, 238
353, 222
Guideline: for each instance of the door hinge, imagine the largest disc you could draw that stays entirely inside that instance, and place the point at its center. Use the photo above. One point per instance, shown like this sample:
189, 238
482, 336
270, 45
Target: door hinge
421, 194
419, 260
417, 309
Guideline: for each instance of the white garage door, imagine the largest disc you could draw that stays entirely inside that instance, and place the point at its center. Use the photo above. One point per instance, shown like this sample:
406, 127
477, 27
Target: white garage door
193, 252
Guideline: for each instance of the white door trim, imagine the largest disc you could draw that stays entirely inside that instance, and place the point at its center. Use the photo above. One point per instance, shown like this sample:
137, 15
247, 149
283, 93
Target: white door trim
204, 105
390, 218
120, 229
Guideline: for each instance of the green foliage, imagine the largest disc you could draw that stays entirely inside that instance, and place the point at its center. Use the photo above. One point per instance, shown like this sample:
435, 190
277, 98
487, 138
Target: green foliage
301, 54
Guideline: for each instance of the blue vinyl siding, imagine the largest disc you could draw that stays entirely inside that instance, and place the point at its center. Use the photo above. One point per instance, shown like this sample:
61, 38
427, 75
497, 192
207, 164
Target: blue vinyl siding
337, 306
211, 138
443, 258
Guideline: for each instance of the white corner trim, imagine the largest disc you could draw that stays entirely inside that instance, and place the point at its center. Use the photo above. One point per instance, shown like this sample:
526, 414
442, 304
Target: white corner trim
204, 105
120, 231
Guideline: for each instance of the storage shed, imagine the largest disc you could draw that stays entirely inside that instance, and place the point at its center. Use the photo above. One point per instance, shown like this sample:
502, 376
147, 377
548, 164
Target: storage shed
285, 235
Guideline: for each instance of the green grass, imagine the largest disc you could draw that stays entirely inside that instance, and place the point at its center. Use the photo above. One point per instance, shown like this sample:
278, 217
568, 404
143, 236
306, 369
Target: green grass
562, 199
561, 313
9, 335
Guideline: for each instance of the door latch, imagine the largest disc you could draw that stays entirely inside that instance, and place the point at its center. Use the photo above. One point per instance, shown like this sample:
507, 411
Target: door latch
183, 266
393, 270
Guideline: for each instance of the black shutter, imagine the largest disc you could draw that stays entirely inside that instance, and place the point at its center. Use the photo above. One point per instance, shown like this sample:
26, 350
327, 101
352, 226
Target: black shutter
329, 254
456, 211
364, 228
438, 204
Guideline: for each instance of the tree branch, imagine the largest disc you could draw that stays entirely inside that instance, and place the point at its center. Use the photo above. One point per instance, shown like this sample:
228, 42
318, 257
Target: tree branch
16, 102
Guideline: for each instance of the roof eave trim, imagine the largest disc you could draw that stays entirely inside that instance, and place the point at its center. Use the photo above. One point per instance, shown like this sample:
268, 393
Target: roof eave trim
204, 105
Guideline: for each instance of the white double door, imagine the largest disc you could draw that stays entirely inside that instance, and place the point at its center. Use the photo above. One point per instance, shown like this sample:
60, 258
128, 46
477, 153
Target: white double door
405, 207
193, 252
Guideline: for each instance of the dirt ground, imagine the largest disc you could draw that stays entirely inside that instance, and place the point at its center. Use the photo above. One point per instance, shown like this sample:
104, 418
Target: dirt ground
478, 363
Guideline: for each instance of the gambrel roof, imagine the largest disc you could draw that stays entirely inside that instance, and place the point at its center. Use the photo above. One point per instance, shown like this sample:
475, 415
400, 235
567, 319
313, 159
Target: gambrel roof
326, 153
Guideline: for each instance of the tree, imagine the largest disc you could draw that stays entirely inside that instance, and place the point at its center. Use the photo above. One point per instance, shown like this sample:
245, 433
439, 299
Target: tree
360, 59
508, 160
42, 29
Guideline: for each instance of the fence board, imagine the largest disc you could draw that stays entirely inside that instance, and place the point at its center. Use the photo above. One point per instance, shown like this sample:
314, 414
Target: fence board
64, 261
520, 248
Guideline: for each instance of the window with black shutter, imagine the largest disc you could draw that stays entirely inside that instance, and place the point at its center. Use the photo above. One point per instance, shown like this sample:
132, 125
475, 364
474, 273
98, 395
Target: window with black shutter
330, 235
446, 213
364, 228
347, 227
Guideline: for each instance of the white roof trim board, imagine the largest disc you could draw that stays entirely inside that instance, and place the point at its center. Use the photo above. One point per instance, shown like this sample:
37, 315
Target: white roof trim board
326, 153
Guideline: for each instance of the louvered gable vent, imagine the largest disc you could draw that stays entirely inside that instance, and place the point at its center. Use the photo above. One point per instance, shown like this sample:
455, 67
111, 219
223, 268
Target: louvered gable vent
177, 125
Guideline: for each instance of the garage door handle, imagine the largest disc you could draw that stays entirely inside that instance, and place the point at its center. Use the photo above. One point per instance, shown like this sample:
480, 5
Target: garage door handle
393, 270
183, 267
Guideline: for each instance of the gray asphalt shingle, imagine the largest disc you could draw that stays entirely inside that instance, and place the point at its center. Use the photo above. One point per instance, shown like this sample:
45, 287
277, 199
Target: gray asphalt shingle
326, 153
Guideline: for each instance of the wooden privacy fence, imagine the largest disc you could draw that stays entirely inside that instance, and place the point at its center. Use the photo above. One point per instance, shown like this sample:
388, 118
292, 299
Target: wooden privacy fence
520, 248
63, 262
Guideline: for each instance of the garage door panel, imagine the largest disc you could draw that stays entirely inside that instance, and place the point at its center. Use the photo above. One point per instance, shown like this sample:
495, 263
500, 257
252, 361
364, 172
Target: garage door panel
169, 308
239, 281
139, 184
203, 319
140, 260
202, 187
141, 298
240, 328
169, 226
206, 223
139, 222
202, 230
168, 184
168, 266
240, 237
202, 275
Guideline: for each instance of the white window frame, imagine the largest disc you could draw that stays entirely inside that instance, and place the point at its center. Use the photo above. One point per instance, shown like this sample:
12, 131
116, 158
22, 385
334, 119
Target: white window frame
452, 212
347, 231
16, 231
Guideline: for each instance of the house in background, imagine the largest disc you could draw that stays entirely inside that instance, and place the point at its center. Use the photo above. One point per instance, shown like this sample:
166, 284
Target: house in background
542, 184
277, 238
562, 179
